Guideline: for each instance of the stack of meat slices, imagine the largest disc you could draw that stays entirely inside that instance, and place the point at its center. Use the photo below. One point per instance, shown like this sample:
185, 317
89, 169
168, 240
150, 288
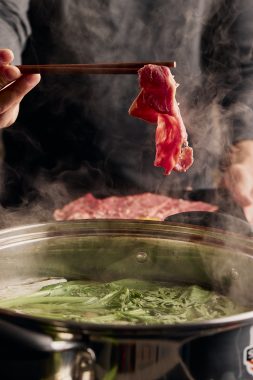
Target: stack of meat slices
140, 206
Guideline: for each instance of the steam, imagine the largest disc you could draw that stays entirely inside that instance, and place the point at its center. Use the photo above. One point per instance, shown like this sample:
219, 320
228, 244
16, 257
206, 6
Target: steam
112, 152
229, 268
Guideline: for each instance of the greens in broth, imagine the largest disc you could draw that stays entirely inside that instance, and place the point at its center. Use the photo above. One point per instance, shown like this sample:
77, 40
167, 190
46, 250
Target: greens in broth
124, 302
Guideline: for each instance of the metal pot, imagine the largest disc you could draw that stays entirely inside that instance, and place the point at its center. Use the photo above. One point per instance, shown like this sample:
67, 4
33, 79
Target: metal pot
36, 348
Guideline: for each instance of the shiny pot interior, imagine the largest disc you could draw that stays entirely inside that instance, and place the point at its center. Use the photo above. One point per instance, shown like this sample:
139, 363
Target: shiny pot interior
106, 250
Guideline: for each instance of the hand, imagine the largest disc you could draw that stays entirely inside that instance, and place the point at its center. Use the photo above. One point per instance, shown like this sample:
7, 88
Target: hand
13, 87
239, 175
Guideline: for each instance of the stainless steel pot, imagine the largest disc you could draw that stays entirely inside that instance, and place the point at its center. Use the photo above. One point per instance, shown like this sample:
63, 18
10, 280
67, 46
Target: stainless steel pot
104, 250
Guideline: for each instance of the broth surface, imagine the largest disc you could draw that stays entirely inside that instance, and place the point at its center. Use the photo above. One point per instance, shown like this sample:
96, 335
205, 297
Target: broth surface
125, 301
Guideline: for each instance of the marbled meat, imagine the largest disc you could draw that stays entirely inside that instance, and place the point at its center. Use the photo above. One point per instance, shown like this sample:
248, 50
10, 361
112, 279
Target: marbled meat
156, 103
140, 206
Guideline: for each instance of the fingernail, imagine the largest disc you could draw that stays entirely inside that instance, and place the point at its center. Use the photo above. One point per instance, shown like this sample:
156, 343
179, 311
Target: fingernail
11, 73
32, 79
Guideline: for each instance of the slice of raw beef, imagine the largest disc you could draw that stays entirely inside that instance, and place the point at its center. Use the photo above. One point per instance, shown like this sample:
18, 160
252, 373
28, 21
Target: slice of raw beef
140, 206
156, 103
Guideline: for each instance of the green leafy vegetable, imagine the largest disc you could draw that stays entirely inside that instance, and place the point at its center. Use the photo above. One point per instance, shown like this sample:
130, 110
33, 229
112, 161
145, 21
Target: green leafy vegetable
111, 375
125, 301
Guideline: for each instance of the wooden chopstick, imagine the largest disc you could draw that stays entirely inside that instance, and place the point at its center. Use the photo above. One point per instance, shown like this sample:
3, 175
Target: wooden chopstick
98, 68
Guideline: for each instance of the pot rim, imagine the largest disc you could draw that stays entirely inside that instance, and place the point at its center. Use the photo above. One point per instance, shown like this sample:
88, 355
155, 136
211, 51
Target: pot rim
187, 328
118, 226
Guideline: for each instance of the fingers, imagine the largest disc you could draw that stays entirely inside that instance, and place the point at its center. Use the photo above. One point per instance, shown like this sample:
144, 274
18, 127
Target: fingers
12, 95
15, 92
238, 177
6, 56
248, 211
8, 74
13, 87
239, 180
9, 117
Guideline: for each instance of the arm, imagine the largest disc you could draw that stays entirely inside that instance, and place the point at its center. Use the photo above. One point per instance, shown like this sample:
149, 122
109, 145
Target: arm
239, 176
14, 31
229, 60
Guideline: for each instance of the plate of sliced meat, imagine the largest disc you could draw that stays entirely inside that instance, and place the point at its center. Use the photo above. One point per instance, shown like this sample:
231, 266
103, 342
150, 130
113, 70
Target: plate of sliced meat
140, 206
